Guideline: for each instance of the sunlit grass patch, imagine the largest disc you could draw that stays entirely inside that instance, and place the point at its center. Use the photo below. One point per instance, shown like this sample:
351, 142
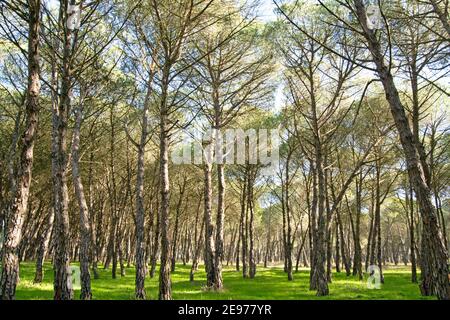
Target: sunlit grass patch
269, 283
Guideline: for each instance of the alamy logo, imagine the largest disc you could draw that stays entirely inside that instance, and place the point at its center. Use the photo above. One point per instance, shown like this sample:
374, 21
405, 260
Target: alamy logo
374, 280
374, 20
75, 277
74, 17
231, 146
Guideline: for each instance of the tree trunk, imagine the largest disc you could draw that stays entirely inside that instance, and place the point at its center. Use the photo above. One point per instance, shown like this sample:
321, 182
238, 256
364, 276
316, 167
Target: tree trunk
44, 241
94, 244
218, 281
434, 255
140, 211
85, 231
15, 214
357, 258
251, 253
209, 238
243, 229
338, 250
412, 235
198, 244
62, 278
176, 226
156, 243
165, 286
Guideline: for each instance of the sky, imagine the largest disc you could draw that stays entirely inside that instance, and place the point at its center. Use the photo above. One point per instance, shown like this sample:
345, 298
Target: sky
266, 10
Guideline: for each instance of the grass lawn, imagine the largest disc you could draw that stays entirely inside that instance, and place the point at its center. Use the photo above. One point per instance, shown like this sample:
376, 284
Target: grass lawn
270, 283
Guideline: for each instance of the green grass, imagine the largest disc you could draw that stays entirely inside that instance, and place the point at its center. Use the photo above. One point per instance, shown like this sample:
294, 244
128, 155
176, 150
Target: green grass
270, 283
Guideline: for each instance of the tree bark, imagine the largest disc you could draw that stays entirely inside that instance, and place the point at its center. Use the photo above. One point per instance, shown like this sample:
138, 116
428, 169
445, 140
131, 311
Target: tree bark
251, 253
85, 228
243, 229
176, 226
410, 212
140, 211
218, 281
62, 279
19, 203
44, 241
198, 243
165, 286
209, 238
357, 257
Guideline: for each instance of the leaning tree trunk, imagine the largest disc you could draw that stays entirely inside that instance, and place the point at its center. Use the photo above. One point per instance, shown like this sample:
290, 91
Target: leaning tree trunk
19, 203
434, 255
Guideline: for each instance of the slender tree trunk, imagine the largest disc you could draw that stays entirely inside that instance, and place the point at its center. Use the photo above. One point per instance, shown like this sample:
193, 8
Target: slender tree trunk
313, 227
85, 231
198, 245
165, 286
345, 257
156, 243
338, 250
319, 278
44, 241
113, 241
62, 273
94, 244
412, 234
218, 281
176, 226
329, 231
371, 222
232, 245
140, 211
251, 254
268, 240
357, 258
287, 206
209, 238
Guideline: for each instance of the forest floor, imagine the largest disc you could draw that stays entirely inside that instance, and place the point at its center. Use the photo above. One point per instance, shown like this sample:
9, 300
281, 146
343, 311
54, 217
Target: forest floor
270, 283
